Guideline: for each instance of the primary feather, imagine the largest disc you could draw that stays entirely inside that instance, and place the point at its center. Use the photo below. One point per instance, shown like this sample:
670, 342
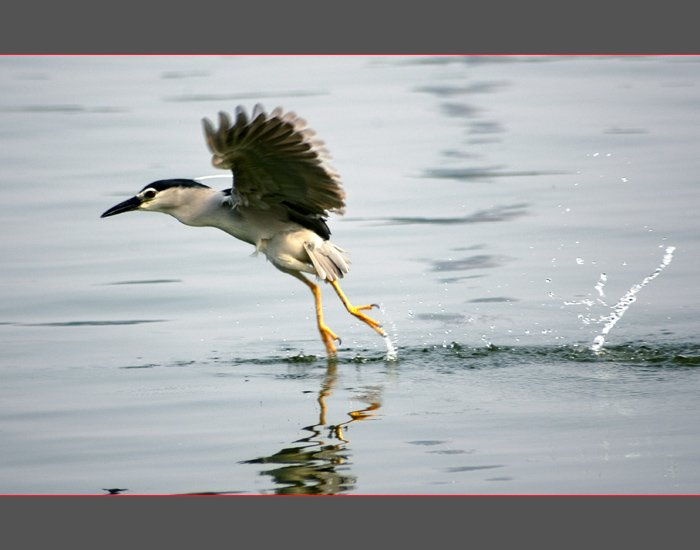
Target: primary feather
275, 161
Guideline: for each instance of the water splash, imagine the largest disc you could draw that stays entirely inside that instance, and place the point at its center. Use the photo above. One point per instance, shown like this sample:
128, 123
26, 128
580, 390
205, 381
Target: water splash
600, 285
622, 305
618, 310
392, 353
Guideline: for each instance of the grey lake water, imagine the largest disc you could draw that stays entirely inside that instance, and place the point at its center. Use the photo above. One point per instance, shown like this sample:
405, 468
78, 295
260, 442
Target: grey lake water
528, 226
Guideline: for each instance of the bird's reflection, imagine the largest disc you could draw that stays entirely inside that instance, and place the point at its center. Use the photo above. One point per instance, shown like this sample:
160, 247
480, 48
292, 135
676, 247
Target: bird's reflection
319, 463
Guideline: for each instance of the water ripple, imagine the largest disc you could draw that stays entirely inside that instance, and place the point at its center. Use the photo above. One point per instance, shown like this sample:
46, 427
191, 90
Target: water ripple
93, 323
675, 355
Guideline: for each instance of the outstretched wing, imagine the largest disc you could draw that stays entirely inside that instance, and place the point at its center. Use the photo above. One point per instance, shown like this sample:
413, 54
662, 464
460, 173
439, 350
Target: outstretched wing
275, 161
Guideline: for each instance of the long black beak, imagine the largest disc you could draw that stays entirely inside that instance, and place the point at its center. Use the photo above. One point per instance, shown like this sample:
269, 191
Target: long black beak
127, 206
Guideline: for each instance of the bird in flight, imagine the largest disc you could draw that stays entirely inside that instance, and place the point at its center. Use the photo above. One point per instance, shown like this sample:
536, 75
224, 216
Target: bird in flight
283, 191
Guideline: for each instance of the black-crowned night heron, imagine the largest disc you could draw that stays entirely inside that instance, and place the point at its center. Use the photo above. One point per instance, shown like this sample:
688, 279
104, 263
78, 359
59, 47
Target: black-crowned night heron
283, 190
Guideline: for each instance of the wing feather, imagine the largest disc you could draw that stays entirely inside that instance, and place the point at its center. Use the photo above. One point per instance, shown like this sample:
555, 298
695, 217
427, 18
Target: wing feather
275, 160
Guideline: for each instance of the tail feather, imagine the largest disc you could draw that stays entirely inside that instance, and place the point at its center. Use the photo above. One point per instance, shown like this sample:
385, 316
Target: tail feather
328, 260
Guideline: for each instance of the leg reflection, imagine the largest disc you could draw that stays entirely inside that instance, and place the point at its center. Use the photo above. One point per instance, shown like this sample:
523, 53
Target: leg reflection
313, 465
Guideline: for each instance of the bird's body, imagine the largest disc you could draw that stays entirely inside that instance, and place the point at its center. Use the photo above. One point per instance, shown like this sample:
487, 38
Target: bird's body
273, 231
282, 192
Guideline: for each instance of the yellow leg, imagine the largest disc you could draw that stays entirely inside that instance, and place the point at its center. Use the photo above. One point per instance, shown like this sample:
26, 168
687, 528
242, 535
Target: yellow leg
327, 335
356, 310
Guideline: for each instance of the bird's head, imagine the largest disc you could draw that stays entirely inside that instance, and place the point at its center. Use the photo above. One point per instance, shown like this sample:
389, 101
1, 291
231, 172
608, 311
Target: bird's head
168, 196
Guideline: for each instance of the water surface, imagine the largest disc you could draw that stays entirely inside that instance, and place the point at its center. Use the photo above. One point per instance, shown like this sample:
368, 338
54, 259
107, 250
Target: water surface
499, 209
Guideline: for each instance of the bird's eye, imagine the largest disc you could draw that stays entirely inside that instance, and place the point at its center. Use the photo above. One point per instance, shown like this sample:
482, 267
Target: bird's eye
149, 194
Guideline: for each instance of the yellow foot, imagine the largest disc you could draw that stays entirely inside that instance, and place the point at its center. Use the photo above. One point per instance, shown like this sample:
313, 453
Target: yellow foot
328, 337
366, 318
354, 310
